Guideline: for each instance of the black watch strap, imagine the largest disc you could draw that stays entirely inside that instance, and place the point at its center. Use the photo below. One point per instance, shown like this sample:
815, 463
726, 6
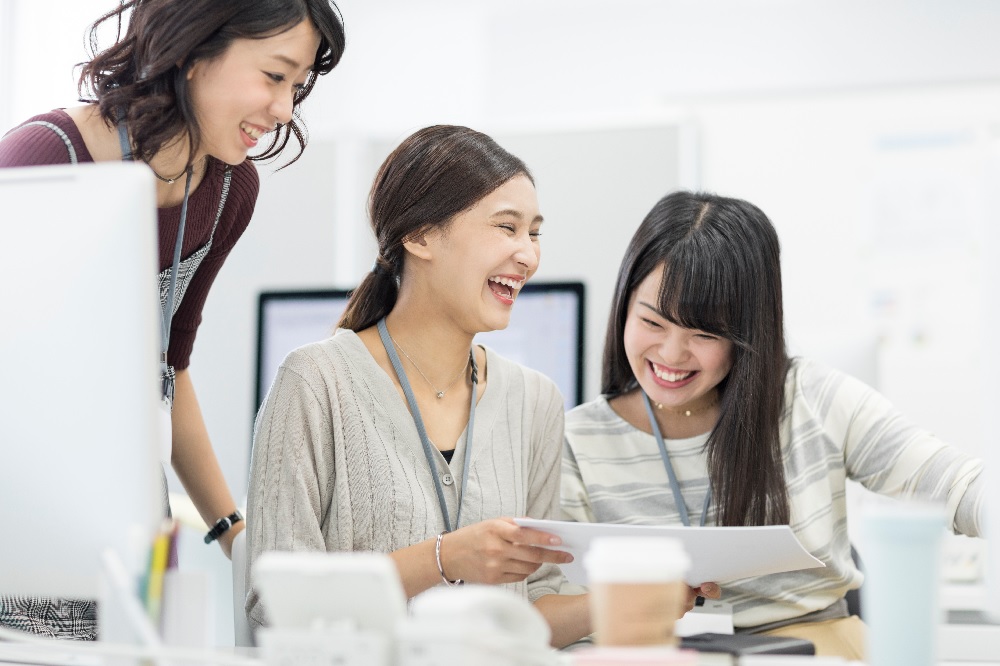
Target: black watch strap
223, 524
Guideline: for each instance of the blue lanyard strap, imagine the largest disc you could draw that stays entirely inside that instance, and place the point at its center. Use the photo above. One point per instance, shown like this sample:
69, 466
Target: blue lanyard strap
674, 486
397, 365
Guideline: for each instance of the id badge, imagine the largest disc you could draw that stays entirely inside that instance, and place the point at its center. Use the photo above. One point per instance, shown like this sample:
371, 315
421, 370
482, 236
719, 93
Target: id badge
166, 431
713, 617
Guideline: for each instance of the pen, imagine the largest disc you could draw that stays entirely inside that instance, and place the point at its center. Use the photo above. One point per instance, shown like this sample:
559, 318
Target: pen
157, 567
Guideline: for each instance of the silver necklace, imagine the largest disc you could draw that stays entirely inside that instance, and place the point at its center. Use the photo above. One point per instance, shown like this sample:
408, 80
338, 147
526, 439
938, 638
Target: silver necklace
692, 412
438, 392
168, 181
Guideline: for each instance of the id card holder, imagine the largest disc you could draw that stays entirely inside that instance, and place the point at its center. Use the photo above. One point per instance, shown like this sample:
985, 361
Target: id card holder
165, 431
714, 616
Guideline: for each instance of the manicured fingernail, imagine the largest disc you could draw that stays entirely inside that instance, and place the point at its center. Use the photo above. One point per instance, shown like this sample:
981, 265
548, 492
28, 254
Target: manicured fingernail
555, 541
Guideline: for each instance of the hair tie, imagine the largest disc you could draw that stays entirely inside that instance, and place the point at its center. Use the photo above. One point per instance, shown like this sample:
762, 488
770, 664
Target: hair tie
379, 266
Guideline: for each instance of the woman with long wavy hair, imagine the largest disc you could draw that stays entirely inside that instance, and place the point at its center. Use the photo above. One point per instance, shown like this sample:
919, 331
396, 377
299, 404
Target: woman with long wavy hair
190, 87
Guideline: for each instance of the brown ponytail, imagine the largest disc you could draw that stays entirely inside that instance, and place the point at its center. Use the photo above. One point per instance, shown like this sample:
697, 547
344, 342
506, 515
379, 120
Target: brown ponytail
432, 176
373, 299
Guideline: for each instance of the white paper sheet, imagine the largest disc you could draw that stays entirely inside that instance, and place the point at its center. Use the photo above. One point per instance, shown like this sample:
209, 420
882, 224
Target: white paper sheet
718, 554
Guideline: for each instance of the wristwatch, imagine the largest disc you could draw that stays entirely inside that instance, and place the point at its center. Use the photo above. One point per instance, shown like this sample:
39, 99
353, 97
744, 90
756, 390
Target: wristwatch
223, 524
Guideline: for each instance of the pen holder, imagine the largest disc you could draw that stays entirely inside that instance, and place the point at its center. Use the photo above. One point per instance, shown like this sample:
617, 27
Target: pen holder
187, 618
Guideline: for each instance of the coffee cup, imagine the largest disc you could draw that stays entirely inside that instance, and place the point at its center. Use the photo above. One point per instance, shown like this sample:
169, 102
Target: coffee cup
637, 589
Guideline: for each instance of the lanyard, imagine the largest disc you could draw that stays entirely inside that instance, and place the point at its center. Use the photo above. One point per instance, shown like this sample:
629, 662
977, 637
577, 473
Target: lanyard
167, 312
422, 431
674, 486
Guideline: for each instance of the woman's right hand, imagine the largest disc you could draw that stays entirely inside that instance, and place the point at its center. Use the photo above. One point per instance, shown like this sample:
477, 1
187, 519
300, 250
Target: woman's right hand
498, 551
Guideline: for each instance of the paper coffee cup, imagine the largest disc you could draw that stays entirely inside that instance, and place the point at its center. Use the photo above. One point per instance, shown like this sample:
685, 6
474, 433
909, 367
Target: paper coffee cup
637, 589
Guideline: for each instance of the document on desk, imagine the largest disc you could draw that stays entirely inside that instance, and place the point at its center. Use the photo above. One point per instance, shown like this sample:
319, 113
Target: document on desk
718, 554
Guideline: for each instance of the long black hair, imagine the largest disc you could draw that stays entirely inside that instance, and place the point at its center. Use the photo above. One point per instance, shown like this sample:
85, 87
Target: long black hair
432, 176
144, 73
722, 275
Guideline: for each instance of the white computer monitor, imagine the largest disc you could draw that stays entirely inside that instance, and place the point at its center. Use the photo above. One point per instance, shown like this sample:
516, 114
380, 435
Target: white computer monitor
989, 369
78, 374
545, 331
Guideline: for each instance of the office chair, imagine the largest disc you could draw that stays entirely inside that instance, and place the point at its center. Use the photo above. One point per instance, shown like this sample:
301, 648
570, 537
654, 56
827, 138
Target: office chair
853, 597
241, 626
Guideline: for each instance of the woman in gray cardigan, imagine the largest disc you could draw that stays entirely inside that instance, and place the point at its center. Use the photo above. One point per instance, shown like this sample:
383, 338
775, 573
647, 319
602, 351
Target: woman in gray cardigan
397, 434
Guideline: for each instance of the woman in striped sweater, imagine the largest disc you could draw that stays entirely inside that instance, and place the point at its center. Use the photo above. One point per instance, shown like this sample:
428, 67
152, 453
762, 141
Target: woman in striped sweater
705, 420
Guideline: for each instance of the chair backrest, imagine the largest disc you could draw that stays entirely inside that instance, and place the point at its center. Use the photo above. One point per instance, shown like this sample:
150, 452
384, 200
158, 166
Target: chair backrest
241, 626
854, 596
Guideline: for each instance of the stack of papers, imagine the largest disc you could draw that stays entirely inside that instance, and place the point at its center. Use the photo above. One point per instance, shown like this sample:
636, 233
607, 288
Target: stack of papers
718, 554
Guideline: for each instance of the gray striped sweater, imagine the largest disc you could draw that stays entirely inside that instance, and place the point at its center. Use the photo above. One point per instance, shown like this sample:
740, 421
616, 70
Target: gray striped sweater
834, 428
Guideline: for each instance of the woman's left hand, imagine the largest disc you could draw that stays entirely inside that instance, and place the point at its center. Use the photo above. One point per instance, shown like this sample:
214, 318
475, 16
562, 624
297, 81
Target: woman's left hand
227, 538
707, 590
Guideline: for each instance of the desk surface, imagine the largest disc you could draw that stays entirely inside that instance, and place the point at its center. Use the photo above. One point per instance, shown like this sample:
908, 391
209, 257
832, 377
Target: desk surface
958, 645
978, 643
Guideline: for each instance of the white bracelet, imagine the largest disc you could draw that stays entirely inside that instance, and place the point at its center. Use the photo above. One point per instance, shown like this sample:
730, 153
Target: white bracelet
437, 557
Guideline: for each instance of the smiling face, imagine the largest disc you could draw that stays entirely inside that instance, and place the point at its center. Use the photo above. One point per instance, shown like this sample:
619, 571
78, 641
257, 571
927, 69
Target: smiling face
483, 257
245, 92
676, 367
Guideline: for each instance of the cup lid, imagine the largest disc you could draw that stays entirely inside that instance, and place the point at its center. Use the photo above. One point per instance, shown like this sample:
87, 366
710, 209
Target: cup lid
636, 559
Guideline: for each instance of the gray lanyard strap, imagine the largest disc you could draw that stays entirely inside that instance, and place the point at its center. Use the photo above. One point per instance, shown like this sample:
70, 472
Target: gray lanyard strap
167, 313
674, 486
422, 431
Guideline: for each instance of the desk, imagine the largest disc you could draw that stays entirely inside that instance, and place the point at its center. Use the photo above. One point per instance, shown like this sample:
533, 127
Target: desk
56, 654
15, 653
958, 645
967, 637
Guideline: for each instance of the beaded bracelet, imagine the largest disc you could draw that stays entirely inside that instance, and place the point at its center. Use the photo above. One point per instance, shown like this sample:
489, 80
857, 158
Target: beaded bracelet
437, 557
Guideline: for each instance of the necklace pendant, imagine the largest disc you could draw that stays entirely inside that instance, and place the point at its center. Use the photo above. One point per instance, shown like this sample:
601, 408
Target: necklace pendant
440, 394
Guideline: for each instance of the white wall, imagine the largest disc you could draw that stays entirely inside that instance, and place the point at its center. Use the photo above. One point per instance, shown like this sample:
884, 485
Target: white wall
878, 198
832, 116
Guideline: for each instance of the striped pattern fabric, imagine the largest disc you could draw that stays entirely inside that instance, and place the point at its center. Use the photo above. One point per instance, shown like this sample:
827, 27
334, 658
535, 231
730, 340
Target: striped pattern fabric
834, 428
74, 619
189, 265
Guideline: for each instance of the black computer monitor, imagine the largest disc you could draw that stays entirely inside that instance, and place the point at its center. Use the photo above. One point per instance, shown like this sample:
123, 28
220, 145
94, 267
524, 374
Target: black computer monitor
545, 331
